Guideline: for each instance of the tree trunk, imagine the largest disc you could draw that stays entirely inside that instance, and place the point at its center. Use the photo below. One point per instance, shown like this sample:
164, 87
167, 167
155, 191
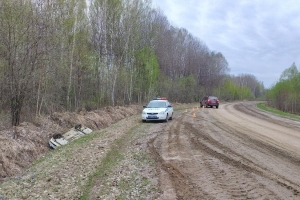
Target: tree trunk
16, 106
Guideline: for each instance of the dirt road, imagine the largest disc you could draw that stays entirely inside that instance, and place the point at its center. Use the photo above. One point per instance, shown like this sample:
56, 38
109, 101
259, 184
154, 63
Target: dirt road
234, 152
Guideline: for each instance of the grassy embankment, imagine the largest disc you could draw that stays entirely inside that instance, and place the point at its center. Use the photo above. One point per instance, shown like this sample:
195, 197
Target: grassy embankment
264, 107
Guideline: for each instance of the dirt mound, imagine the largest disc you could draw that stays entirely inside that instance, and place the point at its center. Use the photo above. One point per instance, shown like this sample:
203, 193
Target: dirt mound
20, 146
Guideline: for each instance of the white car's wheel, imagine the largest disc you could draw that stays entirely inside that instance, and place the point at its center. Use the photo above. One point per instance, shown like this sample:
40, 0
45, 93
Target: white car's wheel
167, 118
171, 117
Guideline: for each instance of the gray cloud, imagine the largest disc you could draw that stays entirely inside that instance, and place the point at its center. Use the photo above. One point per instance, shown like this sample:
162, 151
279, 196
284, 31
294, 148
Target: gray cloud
256, 37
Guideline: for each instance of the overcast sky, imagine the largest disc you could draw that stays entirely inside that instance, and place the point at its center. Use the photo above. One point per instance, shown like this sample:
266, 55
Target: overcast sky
258, 37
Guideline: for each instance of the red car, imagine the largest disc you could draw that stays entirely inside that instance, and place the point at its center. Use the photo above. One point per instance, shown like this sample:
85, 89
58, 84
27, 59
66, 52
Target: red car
210, 101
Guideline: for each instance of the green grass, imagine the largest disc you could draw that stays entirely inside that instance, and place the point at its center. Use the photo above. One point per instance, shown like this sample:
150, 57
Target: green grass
263, 106
113, 157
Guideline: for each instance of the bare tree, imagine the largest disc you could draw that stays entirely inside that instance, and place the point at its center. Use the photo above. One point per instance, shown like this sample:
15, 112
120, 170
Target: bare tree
19, 51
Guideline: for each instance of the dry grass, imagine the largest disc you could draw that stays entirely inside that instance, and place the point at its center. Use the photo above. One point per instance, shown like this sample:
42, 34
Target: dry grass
21, 145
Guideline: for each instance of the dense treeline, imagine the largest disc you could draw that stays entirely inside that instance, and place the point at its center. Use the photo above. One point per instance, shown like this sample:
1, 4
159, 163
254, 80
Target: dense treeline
285, 94
58, 55
241, 87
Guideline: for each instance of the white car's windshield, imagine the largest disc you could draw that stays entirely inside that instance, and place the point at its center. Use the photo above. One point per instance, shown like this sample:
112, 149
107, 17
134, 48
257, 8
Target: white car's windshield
157, 104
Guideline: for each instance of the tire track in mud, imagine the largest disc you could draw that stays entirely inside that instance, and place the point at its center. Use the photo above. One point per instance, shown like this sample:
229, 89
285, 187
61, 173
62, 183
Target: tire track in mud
239, 170
231, 176
167, 162
252, 110
268, 150
242, 132
212, 178
194, 160
263, 146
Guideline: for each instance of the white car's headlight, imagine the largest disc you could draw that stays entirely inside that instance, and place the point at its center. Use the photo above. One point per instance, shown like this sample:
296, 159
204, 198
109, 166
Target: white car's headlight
161, 113
143, 112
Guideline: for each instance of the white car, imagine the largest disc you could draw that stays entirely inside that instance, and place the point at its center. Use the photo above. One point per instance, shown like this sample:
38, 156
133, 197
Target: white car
74, 133
158, 109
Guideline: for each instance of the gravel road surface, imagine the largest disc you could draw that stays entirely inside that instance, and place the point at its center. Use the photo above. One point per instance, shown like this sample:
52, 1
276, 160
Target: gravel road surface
234, 152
